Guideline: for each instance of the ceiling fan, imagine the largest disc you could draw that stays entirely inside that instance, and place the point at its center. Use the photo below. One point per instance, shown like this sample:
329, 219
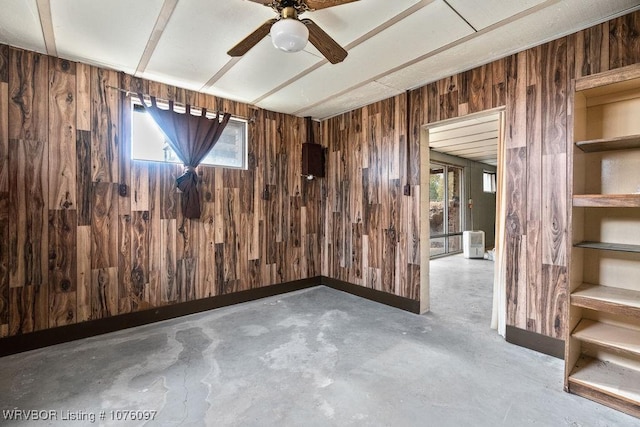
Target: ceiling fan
290, 33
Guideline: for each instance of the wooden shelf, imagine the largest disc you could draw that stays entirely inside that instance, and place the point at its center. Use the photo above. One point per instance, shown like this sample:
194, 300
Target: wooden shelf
608, 299
610, 144
607, 383
608, 378
607, 200
618, 247
613, 337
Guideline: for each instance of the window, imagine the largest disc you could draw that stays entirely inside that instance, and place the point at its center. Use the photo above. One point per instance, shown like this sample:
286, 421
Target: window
489, 182
149, 142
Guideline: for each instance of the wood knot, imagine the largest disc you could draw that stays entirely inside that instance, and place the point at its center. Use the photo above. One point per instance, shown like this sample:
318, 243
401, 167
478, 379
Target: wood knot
65, 285
65, 65
122, 190
69, 98
145, 215
67, 204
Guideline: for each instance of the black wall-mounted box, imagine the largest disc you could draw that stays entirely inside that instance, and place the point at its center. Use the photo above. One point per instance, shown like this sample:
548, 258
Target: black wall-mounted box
313, 160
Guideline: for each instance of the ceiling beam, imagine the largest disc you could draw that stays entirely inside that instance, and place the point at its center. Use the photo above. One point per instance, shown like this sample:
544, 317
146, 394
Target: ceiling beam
44, 13
161, 23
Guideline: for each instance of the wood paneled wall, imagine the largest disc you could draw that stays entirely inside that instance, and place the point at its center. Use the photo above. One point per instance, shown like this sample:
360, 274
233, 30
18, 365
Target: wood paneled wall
371, 228
87, 233
366, 207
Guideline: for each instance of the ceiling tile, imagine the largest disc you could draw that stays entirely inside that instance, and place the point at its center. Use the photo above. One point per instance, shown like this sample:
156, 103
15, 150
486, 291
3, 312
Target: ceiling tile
363, 95
20, 25
563, 18
113, 33
194, 45
483, 13
260, 70
427, 29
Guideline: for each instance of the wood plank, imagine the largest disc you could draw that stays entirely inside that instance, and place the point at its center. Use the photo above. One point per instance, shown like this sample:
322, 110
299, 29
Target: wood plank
4, 136
607, 200
27, 214
516, 108
612, 337
205, 286
610, 144
62, 267
4, 63
84, 186
139, 186
21, 314
83, 273
592, 50
624, 44
609, 246
168, 261
83, 97
104, 126
125, 267
168, 191
4, 260
104, 225
62, 134
153, 294
613, 401
609, 299
535, 289
480, 90
554, 209
28, 95
516, 285
607, 377
499, 83
630, 72
104, 292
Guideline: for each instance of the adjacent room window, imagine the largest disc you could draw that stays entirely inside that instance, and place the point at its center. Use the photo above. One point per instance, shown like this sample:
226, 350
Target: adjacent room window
489, 182
149, 142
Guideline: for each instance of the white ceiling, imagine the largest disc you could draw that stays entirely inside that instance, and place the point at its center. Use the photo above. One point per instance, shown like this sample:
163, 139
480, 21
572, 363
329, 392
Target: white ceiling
393, 45
474, 138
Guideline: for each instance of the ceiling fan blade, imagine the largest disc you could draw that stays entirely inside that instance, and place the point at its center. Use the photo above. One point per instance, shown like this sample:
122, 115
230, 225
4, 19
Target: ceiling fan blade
252, 39
323, 4
324, 43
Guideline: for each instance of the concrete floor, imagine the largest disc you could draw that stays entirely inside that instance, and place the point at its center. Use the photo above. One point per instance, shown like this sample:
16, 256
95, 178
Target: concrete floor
316, 357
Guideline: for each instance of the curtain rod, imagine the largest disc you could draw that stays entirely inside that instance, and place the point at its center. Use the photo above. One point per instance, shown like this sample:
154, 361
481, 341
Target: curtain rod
130, 92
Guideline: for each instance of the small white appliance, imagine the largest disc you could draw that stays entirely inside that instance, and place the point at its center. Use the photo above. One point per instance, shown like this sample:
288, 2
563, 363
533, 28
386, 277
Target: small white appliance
473, 244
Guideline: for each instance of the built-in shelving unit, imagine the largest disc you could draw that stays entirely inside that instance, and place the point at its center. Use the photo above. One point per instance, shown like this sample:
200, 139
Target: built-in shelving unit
602, 352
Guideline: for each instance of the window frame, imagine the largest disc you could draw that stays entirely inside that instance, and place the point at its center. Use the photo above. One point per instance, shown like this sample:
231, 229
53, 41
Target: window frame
180, 108
493, 176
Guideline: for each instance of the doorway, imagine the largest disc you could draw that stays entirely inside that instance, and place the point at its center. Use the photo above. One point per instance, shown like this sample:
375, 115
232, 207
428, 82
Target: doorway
456, 158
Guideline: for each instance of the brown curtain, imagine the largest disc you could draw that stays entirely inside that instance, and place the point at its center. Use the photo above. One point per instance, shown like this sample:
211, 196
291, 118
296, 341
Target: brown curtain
191, 137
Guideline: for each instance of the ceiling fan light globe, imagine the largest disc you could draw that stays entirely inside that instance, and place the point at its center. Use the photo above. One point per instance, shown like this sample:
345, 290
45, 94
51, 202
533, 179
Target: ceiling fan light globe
289, 35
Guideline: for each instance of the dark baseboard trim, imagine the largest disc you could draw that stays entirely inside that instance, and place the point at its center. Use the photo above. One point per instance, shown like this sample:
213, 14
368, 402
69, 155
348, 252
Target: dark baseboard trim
38, 339
402, 303
31, 341
531, 340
